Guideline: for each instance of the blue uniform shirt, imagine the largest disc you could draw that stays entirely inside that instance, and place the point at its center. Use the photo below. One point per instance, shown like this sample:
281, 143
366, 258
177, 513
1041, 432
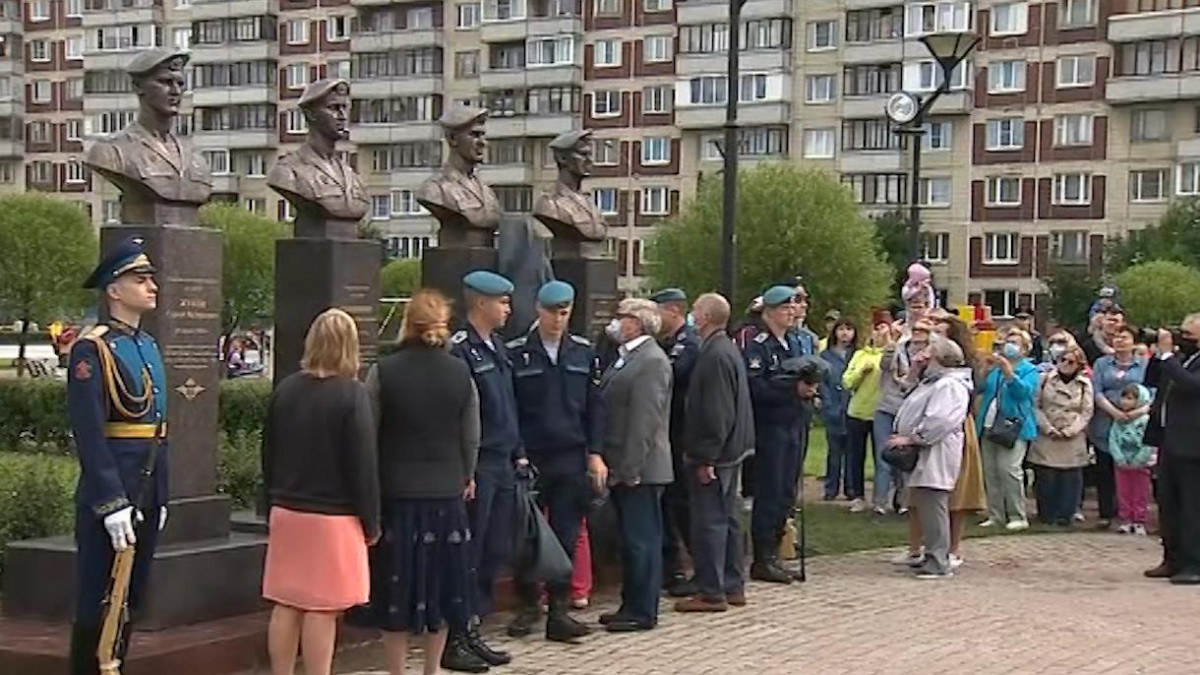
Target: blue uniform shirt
114, 419
558, 403
491, 368
682, 348
774, 396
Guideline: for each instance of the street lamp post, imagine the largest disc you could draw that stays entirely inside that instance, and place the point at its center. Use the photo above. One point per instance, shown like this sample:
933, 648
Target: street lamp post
730, 155
909, 112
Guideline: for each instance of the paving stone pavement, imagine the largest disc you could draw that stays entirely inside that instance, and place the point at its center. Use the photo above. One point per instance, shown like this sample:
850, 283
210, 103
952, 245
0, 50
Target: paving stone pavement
1041, 604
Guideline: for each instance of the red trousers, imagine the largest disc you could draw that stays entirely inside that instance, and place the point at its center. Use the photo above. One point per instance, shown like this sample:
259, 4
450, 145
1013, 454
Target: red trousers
581, 579
1133, 494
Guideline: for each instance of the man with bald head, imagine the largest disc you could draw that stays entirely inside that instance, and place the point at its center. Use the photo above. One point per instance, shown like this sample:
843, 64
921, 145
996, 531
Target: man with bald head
718, 437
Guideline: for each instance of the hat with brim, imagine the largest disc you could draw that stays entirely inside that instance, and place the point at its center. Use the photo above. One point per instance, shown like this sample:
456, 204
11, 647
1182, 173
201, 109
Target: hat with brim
128, 257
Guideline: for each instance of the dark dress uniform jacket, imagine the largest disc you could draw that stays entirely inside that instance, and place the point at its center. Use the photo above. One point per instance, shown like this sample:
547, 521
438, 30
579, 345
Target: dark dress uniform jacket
720, 415
500, 440
1174, 424
682, 348
558, 404
775, 399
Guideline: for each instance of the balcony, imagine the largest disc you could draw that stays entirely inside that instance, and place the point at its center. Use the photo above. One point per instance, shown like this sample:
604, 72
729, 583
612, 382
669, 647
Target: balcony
749, 114
504, 31
10, 148
524, 126
533, 76
107, 102
110, 59
553, 25
506, 174
393, 40
864, 106
233, 52
858, 161
953, 103
123, 15
884, 51
1154, 25
386, 134
11, 67
717, 11
1188, 149
8, 26
388, 87
222, 9
868, 4
1146, 88
10, 108
234, 139
211, 97
758, 60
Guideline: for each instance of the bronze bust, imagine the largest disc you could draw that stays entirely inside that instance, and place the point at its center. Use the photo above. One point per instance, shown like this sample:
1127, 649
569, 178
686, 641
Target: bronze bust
328, 196
467, 209
161, 180
578, 226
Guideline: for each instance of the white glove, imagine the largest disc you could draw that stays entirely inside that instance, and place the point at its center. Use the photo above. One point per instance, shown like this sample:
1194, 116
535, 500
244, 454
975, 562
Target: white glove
162, 517
120, 527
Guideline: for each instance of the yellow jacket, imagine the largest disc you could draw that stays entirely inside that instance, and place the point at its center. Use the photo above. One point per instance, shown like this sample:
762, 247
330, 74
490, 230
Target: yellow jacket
862, 377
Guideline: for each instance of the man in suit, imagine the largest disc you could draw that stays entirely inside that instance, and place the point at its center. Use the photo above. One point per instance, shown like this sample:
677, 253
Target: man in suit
719, 435
1175, 429
636, 394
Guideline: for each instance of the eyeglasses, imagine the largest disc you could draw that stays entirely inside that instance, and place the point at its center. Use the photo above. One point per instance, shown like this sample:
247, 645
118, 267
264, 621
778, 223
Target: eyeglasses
1068, 362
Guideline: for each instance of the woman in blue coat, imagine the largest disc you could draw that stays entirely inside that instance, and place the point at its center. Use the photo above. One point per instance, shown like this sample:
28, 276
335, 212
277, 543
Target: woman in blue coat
1007, 401
843, 340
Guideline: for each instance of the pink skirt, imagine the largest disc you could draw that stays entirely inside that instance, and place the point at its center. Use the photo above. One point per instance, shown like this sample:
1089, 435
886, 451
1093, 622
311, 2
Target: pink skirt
316, 562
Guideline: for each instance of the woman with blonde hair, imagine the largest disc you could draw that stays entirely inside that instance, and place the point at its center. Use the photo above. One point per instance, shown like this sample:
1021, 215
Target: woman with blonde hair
318, 461
427, 410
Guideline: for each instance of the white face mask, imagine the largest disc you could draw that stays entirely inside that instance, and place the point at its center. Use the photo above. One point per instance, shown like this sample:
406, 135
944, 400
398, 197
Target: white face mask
614, 329
1057, 351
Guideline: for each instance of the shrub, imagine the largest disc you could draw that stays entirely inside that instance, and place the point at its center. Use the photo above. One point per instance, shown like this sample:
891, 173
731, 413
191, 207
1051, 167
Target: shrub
239, 468
244, 404
36, 497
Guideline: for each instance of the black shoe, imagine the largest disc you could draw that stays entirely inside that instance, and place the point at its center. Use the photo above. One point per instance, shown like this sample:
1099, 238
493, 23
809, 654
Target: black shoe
460, 658
83, 658
1186, 578
769, 571
683, 588
561, 626
523, 624
1162, 571
609, 617
626, 625
492, 657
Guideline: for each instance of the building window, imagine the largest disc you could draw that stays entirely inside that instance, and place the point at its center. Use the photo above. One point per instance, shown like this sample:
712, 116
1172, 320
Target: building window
255, 205
1001, 248
877, 189
554, 51
656, 201
657, 100
935, 192
872, 79
608, 7
73, 89
110, 210
708, 90
404, 203
1010, 18
1153, 57
608, 53
43, 91
1006, 134
1076, 13
1076, 71
822, 35
928, 76
754, 88
870, 135
657, 5
1073, 130
1003, 191
604, 153
76, 172
468, 15
73, 46
182, 38
706, 38
935, 247
1073, 189
337, 28
820, 89
656, 150
1188, 179
819, 143
938, 17
515, 198
503, 10
39, 10
1070, 247
606, 103
658, 48
466, 64
1006, 77
1148, 125
297, 75
252, 164
1002, 302
296, 123
606, 200
506, 151
938, 136
218, 161
419, 18
39, 131
874, 25
381, 207
752, 142
73, 8
297, 32
74, 130
1148, 185
39, 50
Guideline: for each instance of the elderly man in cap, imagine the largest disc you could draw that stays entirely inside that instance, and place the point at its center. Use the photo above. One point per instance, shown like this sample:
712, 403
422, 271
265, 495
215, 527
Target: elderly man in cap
682, 344
780, 423
578, 226
467, 209
636, 392
557, 382
488, 307
146, 160
315, 179
117, 405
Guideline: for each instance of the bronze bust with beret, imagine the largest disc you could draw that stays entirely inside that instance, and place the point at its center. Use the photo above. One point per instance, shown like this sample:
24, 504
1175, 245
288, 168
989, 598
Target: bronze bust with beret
328, 195
467, 209
161, 180
578, 226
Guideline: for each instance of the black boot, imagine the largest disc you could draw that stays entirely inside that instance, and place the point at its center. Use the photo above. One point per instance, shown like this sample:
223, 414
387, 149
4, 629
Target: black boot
526, 619
493, 657
460, 658
766, 565
561, 626
84, 640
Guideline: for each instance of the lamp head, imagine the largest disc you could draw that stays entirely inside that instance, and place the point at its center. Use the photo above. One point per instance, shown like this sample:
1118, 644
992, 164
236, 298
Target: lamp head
902, 107
949, 49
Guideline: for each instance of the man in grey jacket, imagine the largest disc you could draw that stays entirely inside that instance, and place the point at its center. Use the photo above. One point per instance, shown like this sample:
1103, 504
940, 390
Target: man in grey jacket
719, 435
636, 394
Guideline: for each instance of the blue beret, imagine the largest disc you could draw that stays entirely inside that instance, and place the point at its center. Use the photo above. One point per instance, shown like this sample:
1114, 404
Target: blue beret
556, 294
488, 283
129, 256
778, 295
669, 295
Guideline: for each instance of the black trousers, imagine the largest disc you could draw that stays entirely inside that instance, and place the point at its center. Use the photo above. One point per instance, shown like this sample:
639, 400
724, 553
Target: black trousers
1179, 511
1106, 485
677, 534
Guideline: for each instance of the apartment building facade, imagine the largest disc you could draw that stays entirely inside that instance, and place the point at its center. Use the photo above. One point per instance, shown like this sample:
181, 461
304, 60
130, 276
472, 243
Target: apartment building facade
1075, 120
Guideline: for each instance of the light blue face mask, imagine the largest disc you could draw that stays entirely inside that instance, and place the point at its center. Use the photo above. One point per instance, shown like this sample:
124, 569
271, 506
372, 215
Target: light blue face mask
614, 329
1011, 351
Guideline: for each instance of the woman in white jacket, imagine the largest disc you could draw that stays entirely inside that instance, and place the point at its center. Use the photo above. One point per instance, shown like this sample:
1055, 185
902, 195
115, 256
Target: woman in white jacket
931, 422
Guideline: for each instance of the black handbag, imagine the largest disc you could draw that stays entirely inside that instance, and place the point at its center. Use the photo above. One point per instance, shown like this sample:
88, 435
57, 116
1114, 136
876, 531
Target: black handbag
539, 556
903, 458
1005, 431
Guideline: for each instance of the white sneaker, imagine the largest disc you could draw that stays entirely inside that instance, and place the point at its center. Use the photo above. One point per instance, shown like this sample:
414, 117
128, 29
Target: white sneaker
1079, 517
927, 575
1125, 528
989, 523
908, 558
1139, 530
879, 511
579, 603
858, 506
956, 562
903, 510
1017, 525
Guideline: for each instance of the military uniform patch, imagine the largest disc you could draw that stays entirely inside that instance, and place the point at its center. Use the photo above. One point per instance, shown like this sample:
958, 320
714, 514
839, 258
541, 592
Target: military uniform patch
582, 340
755, 363
83, 371
762, 337
459, 337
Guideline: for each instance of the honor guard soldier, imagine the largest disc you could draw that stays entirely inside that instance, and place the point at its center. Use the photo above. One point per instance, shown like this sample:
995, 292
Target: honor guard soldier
779, 418
682, 345
492, 512
116, 401
557, 380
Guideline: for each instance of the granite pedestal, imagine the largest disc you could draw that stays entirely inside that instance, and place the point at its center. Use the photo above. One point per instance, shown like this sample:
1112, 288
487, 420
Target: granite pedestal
595, 282
443, 269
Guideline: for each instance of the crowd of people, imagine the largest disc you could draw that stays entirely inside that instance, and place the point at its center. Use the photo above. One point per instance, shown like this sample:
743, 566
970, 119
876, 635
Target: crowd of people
397, 498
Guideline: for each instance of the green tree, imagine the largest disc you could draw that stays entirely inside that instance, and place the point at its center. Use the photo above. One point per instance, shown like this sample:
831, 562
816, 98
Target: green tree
1072, 289
248, 276
400, 278
1176, 236
891, 235
1159, 293
790, 220
49, 248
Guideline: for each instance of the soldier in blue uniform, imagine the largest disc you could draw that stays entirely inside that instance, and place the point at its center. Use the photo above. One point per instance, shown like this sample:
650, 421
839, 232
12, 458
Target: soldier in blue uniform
116, 400
682, 345
779, 419
488, 307
557, 379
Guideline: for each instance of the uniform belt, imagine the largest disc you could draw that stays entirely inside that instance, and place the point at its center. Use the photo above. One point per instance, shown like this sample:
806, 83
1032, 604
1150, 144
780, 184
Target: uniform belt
134, 430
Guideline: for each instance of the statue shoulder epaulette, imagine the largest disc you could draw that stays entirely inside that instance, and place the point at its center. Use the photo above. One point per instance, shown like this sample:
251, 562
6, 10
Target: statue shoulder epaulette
581, 340
459, 337
761, 337
517, 343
